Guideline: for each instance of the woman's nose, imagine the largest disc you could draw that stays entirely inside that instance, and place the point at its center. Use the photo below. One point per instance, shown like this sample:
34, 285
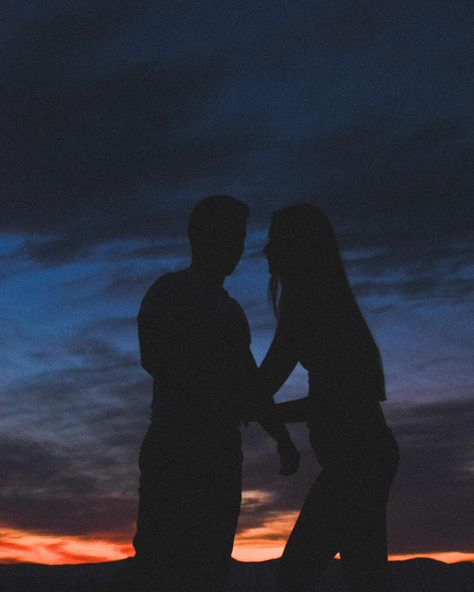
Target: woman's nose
265, 249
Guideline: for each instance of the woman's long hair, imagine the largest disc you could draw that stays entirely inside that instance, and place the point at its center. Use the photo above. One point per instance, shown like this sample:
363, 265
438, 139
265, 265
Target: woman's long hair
311, 250
315, 269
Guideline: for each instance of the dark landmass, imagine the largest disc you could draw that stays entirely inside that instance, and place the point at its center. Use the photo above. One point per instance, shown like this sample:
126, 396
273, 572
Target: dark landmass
415, 575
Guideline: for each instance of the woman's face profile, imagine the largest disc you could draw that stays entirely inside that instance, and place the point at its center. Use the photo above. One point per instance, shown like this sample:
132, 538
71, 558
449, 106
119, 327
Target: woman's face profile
292, 251
277, 253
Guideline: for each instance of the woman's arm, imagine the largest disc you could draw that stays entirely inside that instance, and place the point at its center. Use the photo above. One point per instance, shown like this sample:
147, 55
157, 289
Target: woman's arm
277, 365
263, 410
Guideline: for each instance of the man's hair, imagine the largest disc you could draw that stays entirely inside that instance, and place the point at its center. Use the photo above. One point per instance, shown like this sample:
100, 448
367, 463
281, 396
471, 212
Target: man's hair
215, 216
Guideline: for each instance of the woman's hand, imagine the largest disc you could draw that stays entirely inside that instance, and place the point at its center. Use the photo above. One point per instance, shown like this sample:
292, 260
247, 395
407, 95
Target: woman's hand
289, 458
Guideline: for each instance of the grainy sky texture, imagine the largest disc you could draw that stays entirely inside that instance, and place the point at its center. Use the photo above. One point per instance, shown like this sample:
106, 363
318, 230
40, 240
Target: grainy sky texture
116, 118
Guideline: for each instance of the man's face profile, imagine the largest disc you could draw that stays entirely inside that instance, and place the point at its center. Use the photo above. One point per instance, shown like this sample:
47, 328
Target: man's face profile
226, 247
217, 231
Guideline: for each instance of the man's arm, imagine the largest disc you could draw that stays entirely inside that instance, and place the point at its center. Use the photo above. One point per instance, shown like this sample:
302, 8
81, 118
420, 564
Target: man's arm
277, 365
150, 346
266, 380
294, 411
162, 348
258, 389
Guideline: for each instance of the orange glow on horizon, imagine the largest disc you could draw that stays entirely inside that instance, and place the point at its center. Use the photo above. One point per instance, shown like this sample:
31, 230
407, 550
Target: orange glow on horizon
254, 544
19, 546
265, 541
444, 556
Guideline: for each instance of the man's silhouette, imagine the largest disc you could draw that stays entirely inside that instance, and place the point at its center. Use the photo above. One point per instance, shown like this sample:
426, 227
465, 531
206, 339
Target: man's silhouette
195, 343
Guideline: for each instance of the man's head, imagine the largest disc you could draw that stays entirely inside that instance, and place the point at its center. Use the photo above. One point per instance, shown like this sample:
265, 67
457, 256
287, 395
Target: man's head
216, 231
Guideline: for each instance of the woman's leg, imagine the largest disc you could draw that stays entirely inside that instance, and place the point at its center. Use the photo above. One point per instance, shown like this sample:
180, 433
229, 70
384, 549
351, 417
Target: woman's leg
364, 551
345, 511
316, 536
364, 541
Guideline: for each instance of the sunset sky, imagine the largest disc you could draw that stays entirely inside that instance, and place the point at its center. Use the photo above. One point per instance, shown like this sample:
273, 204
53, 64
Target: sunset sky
116, 118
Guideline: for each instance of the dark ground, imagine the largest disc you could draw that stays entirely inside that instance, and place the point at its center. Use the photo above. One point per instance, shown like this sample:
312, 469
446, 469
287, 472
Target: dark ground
416, 575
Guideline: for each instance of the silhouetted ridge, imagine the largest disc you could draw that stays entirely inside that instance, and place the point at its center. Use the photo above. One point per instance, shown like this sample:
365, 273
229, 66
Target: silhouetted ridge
414, 575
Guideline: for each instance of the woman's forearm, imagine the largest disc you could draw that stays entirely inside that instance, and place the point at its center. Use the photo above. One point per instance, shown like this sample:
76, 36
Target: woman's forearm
276, 367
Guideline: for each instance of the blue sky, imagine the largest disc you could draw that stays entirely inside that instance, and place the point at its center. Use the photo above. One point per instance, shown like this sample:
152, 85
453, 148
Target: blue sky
118, 118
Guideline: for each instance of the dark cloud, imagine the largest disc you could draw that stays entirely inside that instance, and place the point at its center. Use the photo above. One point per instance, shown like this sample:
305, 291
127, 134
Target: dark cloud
79, 145
155, 251
113, 325
422, 288
427, 256
406, 189
433, 489
100, 355
126, 283
86, 381
119, 323
62, 250
64, 515
73, 469
52, 252
90, 150
339, 25
98, 149
61, 489
428, 272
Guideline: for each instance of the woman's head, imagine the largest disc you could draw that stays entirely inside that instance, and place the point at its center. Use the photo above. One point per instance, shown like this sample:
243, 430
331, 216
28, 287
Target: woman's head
301, 243
303, 254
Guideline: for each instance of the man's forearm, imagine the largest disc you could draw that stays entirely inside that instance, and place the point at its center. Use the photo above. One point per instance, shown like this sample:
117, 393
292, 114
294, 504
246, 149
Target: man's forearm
293, 411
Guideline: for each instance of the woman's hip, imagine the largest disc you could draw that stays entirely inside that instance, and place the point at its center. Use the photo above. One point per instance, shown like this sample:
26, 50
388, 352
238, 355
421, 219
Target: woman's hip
360, 452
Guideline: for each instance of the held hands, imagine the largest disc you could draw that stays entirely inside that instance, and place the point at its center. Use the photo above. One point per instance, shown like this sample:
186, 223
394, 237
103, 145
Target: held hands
289, 458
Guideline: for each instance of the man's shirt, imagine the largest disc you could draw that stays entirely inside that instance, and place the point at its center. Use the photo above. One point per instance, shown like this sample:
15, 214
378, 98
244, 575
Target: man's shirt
195, 342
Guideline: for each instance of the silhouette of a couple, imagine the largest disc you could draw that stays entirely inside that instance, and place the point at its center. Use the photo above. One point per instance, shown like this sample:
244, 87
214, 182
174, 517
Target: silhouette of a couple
195, 343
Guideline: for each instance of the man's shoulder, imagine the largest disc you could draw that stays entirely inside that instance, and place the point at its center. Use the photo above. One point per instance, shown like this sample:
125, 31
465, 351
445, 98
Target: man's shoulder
165, 289
169, 282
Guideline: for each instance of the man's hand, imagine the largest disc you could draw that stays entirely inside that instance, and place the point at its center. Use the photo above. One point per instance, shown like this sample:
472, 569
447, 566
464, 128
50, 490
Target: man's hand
289, 458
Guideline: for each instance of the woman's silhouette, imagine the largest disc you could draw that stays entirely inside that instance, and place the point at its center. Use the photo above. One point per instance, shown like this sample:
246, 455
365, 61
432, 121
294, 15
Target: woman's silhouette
320, 325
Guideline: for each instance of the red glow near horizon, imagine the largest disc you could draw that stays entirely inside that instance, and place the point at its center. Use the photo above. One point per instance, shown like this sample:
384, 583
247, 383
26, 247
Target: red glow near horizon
18, 546
256, 544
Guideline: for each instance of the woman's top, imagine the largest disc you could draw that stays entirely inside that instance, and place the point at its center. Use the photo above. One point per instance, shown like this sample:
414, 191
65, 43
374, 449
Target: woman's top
332, 342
